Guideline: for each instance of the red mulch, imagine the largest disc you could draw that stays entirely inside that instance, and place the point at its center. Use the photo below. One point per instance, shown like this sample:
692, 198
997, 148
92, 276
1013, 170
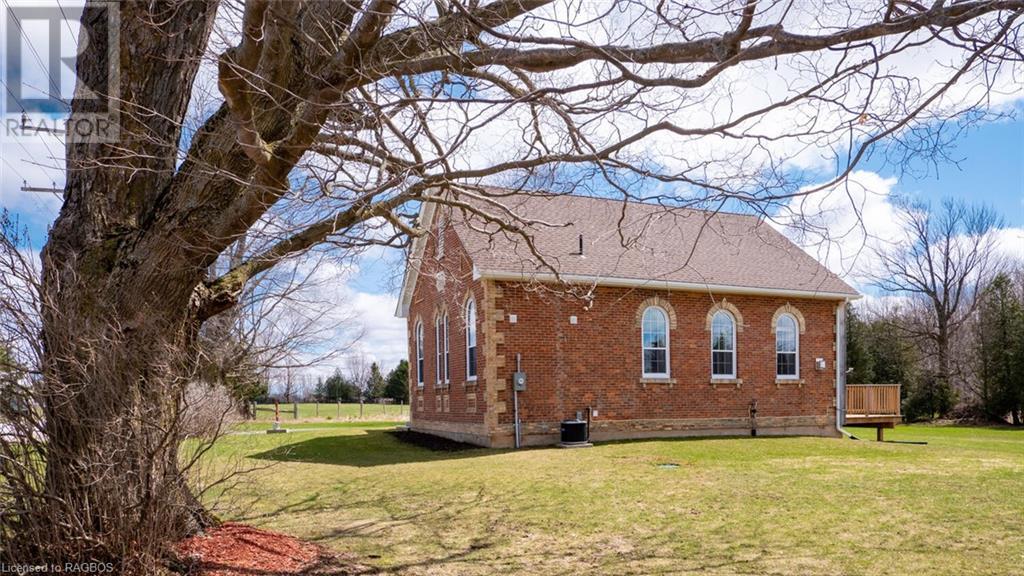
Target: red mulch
240, 550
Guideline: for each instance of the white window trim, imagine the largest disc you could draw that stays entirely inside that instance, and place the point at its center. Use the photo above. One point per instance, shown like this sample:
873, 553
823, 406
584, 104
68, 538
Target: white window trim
796, 334
471, 327
732, 319
420, 361
668, 344
447, 365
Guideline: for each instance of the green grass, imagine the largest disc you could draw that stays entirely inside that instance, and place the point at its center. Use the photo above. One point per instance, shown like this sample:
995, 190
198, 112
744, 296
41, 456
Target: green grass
314, 425
733, 506
332, 411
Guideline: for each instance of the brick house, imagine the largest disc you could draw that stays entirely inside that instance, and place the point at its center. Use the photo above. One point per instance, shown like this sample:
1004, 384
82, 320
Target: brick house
688, 323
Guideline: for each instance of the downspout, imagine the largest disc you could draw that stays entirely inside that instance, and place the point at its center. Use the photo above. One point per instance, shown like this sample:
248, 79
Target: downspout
840, 364
515, 401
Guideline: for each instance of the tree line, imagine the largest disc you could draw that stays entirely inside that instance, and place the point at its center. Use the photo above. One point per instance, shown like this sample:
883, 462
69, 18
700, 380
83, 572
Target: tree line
360, 382
341, 388
950, 324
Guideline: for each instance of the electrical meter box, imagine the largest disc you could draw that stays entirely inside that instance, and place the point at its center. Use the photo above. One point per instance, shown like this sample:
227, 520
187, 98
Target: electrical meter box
519, 381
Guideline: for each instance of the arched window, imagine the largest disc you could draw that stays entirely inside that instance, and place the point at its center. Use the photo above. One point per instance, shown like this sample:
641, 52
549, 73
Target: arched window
438, 349
440, 237
723, 345
654, 341
470, 340
787, 347
447, 367
419, 354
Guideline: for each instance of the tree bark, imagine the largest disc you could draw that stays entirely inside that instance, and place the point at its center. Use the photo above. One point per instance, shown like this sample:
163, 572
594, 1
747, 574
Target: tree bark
116, 342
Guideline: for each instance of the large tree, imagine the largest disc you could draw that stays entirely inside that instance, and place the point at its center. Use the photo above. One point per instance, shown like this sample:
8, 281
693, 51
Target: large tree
341, 119
947, 256
338, 389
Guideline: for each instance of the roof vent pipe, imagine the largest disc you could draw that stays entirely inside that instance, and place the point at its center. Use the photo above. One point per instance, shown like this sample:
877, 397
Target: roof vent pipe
579, 250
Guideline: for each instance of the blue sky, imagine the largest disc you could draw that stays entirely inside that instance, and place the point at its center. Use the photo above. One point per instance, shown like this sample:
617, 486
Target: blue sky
989, 170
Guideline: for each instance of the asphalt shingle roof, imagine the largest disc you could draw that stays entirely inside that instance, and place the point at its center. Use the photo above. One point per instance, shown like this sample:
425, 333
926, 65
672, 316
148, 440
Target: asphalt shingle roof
659, 244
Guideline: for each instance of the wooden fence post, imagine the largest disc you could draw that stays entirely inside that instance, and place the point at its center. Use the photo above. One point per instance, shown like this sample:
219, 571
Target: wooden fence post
295, 409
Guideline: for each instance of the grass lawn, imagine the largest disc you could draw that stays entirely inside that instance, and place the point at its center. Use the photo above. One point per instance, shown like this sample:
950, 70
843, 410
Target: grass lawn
333, 411
732, 506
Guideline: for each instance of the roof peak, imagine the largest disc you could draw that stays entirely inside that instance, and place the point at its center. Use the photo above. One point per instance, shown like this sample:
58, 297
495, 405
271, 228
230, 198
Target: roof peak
540, 193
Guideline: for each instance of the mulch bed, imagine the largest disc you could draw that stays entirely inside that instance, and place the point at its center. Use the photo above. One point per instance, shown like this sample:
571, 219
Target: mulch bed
239, 550
431, 442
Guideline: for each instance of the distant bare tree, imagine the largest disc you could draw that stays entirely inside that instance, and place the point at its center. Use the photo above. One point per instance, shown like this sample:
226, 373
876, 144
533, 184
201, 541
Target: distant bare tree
358, 368
948, 255
282, 321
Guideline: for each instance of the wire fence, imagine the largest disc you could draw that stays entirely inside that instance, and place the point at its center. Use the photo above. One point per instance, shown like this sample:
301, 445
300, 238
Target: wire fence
329, 411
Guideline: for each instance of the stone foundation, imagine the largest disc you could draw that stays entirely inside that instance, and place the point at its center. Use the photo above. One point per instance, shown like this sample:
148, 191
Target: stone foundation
469, 432
547, 433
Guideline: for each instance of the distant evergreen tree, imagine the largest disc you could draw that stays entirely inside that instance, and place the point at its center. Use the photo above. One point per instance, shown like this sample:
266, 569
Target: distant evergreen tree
1000, 341
878, 352
6, 361
893, 356
338, 389
397, 386
375, 384
929, 397
858, 358
247, 384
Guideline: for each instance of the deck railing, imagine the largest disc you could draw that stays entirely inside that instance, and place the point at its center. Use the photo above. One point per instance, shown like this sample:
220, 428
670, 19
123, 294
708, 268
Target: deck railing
872, 400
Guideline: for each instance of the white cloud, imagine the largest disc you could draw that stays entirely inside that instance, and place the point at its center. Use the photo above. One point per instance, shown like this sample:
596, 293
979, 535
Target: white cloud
1010, 243
842, 226
346, 321
384, 335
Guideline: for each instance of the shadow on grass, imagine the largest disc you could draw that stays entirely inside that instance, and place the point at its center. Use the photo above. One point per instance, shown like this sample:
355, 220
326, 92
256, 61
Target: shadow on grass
372, 448
383, 448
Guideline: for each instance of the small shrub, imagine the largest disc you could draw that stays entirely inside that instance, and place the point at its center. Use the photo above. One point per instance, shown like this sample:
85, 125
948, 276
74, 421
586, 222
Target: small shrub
209, 409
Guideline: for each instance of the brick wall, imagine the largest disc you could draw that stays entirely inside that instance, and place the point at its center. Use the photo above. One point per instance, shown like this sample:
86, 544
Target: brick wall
597, 362
456, 408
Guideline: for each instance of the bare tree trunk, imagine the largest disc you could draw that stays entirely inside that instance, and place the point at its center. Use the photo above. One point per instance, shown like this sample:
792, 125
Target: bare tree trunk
118, 329
943, 379
113, 408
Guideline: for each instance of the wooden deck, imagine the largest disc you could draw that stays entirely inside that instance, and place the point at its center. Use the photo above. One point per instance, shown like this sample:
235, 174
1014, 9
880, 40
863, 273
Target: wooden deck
872, 406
